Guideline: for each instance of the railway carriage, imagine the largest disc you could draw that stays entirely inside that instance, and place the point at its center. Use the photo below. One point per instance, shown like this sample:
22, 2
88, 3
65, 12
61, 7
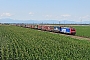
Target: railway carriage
36, 26
44, 27
39, 27
50, 28
28, 26
56, 29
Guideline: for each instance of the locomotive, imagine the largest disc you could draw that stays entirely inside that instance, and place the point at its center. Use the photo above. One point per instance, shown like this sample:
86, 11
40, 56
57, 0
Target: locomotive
57, 29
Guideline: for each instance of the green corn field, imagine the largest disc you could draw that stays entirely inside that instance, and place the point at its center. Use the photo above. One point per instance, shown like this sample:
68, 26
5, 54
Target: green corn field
18, 43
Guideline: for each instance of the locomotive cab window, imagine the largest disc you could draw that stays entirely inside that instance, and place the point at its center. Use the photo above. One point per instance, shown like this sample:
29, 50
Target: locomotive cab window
72, 29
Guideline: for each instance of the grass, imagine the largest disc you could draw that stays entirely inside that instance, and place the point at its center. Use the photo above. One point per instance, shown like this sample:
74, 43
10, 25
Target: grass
83, 31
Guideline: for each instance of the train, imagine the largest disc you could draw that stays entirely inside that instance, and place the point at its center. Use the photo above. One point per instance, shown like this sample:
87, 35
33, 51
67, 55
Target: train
50, 28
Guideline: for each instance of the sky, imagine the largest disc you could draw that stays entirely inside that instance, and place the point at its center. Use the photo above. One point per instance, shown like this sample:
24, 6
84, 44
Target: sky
74, 10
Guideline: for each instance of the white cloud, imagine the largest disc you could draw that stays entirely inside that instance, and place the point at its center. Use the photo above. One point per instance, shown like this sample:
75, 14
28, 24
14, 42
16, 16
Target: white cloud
87, 17
57, 17
48, 16
65, 15
31, 13
6, 14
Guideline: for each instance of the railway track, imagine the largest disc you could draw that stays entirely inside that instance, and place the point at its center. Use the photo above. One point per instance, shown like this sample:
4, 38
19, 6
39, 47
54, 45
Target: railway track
72, 36
76, 37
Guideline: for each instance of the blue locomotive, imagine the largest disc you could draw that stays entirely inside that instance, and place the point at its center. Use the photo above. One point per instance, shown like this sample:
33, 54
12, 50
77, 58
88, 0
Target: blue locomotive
66, 30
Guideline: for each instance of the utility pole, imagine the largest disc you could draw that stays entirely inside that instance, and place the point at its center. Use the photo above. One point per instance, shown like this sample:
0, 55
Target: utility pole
81, 21
59, 22
64, 22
